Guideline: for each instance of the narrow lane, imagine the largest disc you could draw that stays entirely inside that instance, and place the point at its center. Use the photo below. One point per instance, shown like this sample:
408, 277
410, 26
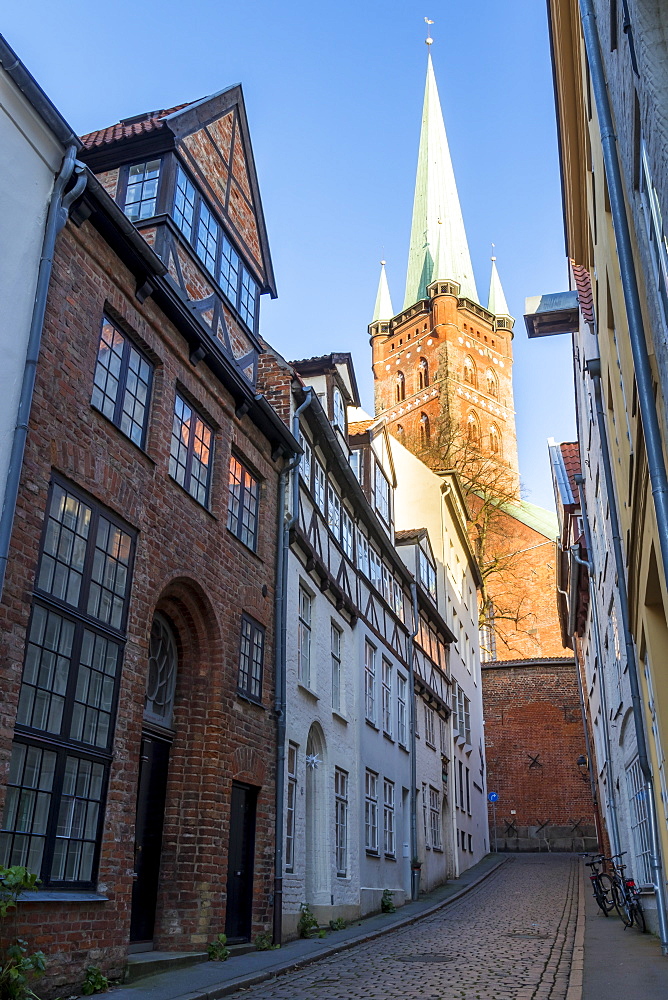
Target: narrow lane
511, 938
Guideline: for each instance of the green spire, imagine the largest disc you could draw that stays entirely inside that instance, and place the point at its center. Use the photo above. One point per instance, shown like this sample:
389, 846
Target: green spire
438, 239
497, 300
383, 308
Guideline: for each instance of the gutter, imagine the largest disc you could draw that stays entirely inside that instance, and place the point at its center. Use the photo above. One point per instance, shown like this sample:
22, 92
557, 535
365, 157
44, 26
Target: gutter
58, 213
280, 669
415, 875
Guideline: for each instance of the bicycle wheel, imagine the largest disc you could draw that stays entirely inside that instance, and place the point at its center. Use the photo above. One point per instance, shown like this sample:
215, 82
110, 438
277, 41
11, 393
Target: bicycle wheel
639, 916
605, 887
621, 902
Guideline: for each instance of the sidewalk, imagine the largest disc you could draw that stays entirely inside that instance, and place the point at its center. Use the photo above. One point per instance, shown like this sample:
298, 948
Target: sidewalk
620, 962
210, 980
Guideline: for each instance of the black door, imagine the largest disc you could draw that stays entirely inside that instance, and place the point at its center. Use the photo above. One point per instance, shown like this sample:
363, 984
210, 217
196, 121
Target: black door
240, 859
151, 791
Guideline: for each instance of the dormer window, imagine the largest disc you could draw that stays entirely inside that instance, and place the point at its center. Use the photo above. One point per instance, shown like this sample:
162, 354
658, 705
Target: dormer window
427, 572
339, 419
382, 494
142, 190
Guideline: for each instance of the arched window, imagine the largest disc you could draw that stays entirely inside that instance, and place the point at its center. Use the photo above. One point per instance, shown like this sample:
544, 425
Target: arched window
161, 676
400, 431
339, 412
401, 387
423, 374
492, 384
470, 374
425, 432
494, 440
473, 430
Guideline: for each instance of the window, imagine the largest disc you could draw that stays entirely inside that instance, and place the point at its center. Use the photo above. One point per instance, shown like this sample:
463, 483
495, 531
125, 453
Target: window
461, 784
470, 843
400, 431
347, 533
387, 583
122, 383
488, 634
370, 681
142, 190
375, 571
248, 298
341, 820
190, 451
463, 716
371, 811
387, 697
304, 638
290, 804
356, 463
472, 430
429, 728
425, 430
494, 440
339, 412
382, 494
402, 727
425, 815
637, 792
435, 819
443, 735
305, 460
65, 719
208, 238
416, 717
656, 228
251, 658
400, 389
398, 599
319, 483
242, 504
230, 268
468, 791
427, 573
335, 640
470, 374
362, 553
423, 374
389, 845
161, 673
334, 512
184, 204
463, 835
492, 384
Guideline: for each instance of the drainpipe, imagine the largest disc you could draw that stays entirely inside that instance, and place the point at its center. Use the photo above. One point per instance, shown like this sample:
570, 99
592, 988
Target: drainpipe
611, 802
57, 217
415, 875
594, 369
280, 682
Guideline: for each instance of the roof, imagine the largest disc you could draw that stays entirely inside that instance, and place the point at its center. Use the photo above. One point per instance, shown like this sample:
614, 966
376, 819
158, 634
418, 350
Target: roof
128, 128
339, 362
359, 426
570, 453
383, 307
409, 535
438, 247
540, 520
497, 300
584, 290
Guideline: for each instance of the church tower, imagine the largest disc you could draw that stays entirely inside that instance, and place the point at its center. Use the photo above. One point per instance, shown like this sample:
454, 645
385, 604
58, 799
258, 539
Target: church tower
445, 358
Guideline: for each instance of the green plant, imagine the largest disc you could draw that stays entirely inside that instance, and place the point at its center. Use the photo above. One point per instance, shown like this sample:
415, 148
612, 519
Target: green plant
307, 924
17, 967
387, 903
217, 949
95, 981
338, 925
322, 932
263, 942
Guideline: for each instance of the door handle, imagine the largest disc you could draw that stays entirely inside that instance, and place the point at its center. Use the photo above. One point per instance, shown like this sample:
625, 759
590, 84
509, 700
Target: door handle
238, 873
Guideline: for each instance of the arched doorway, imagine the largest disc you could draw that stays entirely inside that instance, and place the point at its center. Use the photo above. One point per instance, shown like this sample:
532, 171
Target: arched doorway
156, 742
317, 868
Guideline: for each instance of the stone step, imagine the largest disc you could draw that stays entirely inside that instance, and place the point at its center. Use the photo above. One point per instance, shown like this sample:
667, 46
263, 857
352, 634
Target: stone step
149, 963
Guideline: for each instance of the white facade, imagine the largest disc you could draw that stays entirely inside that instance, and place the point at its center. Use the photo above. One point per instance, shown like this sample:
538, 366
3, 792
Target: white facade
30, 158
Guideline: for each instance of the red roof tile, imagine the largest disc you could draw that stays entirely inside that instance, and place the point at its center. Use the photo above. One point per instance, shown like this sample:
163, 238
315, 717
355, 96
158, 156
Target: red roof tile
359, 426
570, 452
408, 534
129, 127
584, 289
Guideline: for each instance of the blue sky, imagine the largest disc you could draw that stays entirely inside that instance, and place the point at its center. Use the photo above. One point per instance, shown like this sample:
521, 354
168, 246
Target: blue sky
334, 97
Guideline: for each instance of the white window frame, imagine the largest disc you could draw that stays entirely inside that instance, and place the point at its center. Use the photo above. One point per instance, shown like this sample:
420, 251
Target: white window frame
338, 411
341, 820
371, 811
363, 553
389, 836
429, 726
290, 804
334, 511
402, 713
425, 815
427, 573
319, 485
435, 819
347, 533
443, 734
381, 491
336, 636
387, 697
375, 569
304, 637
305, 459
370, 681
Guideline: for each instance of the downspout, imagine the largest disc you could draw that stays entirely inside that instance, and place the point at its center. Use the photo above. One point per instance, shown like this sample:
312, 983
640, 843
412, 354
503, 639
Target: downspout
415, 875
611, 801
280, 681
56, 218
594, 369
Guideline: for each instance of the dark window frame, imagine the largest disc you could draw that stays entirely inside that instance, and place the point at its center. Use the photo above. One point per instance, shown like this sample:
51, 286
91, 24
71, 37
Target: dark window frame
62, 744
190, 448
128, 345
122, 188
246, 689
249, 472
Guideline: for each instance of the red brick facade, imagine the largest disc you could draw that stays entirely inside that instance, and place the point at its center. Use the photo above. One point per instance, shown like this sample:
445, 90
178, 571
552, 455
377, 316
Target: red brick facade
189, 566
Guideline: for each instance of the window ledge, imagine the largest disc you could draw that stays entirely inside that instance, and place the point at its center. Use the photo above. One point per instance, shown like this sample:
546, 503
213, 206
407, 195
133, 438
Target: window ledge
372, 854
432, 746
251, 701
372, 725
339, 717
62, 896
388, 736
390, 857
404, 748
308, 691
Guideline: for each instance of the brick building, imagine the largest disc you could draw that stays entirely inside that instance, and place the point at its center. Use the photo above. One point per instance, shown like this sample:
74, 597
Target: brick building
443, 384
137, 618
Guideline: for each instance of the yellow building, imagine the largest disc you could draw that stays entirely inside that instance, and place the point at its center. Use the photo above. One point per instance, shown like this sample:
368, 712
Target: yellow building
611, 83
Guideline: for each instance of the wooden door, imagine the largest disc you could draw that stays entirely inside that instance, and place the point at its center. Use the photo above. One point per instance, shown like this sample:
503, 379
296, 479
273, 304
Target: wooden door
151, 791
240, 862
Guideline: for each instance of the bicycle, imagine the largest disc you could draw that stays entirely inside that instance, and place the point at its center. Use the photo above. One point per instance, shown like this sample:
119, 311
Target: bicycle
601, 884
626, 896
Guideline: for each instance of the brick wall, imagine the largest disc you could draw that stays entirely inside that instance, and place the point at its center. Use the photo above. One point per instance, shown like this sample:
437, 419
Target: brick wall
190, 567
534, 735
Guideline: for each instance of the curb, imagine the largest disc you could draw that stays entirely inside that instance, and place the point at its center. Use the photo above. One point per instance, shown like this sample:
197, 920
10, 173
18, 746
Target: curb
575, 979
253, 979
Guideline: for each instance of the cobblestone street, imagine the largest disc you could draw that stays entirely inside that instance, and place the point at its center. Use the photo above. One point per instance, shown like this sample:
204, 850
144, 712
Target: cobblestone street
510, 938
